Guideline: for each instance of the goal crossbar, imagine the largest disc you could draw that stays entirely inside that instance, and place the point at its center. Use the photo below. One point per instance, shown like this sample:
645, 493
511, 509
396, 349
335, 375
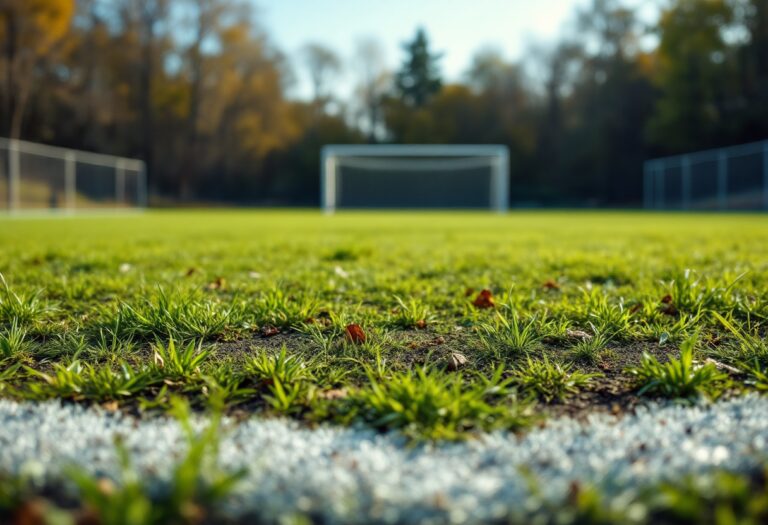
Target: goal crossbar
421, 157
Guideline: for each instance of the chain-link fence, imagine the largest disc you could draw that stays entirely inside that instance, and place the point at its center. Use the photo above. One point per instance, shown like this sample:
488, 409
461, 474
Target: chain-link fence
734, 178
35, 177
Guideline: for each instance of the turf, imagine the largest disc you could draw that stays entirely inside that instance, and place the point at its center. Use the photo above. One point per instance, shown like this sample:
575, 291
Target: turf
133, 309
440, 326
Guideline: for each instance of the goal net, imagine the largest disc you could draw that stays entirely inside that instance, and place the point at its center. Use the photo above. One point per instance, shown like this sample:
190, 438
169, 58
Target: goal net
36, 177
415, 176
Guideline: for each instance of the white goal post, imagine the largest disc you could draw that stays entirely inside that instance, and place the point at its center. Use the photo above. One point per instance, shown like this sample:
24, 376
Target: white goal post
433, 159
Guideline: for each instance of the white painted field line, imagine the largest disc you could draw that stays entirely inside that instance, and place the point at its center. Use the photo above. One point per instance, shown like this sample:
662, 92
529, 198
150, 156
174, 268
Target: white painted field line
347, 475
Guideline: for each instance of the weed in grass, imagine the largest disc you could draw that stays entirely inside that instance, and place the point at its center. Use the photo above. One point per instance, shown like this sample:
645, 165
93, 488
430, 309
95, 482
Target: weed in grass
20, 309
590, 349
605, 316
413, 314
509, 335
425, 404
180, 316
287, 379
549, 380
13, 342
751, 347
179, 363
692, 294
277, 308
81, 381
678, 378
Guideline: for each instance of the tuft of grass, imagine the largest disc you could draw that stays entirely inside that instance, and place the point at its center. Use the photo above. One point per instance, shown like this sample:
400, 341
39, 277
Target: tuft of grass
277, 308
287, 380
81, 381
549, 380
751, 349
413, 314
678, 378
509, 335
13, 343
424, 404
19, 309
179, 363
180, 316
590, 350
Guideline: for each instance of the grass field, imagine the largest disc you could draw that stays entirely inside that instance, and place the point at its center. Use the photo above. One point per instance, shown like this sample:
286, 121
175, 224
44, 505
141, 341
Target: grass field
437, 326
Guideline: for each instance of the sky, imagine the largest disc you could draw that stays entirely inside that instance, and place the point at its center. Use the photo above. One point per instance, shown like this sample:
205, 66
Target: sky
458, 28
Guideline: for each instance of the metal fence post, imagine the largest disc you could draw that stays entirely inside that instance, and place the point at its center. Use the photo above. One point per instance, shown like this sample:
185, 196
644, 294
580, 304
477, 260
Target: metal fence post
119, 181
686, 182
722, 180
14, 176
647, 185
660, 184
70, 182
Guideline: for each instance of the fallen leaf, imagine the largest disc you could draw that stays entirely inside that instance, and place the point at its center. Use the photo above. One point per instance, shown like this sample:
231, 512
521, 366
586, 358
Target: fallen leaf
577, 334
110, 406
484, 300
190, 271
218, 284
439, 340
355, 334
549, 284
456, 360
669, 309
667, 299
31, 512
269, 331
335, 393
421, 324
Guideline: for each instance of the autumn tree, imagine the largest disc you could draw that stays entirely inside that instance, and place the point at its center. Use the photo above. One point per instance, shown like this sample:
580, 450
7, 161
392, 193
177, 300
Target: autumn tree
30, 31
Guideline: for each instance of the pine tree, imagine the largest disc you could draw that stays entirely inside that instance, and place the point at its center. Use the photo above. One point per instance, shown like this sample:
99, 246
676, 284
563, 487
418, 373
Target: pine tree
419, 76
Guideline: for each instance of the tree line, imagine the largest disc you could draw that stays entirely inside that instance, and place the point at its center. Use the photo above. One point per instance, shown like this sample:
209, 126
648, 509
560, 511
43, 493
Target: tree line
198, 90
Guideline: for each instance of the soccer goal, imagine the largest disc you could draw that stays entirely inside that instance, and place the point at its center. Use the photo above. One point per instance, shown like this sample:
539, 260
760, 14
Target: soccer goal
40, 178
415, 176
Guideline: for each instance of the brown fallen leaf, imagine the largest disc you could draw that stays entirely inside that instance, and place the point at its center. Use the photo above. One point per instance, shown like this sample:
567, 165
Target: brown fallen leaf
355, 334
218, 284
550, 284
421, 324
455, 361
669, 309
667, 299
31, 512
484, 300
269, 331
439, 340
335, 393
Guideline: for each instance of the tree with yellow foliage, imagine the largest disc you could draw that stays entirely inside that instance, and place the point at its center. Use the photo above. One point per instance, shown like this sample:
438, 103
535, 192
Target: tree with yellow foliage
30, 31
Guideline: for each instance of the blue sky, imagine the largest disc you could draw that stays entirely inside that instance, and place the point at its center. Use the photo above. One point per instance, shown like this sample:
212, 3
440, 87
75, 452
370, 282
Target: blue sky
457, 27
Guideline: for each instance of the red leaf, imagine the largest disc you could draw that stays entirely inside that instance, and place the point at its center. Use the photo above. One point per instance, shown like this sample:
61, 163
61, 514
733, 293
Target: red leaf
355, 334
484, 300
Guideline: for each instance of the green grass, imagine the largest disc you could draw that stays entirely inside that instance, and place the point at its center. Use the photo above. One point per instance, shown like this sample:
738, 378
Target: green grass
250, 309
137, 309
